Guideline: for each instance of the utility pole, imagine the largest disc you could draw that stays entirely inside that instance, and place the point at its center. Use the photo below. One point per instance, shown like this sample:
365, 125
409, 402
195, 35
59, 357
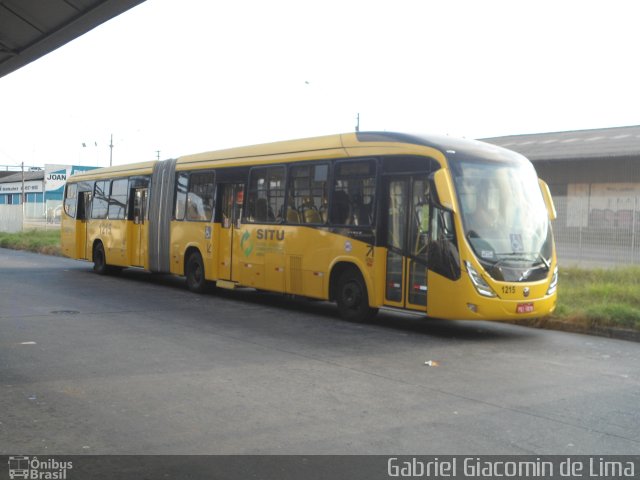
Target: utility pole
358, 122
111, 151
23, 194
157, 154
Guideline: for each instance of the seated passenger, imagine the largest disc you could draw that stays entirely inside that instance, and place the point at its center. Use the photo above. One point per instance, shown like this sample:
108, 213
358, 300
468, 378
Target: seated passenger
340, 208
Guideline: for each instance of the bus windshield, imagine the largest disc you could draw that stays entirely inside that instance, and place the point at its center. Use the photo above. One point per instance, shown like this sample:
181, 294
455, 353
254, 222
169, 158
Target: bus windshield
504, 217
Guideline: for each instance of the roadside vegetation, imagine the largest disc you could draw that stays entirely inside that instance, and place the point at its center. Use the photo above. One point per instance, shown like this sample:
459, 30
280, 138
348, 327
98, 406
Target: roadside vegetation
586, 298
599, 297
39, 241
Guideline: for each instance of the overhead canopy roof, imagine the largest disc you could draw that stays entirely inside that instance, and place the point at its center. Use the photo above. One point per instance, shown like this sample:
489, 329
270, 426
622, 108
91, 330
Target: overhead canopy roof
30, 29
17, 176
577, 144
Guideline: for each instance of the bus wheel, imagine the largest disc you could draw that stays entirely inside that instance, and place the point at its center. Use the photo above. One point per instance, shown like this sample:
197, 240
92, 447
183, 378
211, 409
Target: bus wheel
100, 260
352, 298
195, 273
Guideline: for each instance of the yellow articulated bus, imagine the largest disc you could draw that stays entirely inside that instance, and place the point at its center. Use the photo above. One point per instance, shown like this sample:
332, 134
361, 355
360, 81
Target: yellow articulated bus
453, 229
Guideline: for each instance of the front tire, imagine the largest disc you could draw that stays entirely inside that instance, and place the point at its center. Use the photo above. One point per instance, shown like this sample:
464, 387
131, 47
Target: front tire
352, 298
194, 272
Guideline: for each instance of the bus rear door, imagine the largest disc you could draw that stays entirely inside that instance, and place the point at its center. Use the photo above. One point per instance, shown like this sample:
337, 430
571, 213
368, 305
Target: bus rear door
77, 208
84, 210
407, 239
139, 230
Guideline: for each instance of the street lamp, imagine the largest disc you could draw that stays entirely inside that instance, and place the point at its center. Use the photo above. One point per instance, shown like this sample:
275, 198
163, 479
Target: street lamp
95, 144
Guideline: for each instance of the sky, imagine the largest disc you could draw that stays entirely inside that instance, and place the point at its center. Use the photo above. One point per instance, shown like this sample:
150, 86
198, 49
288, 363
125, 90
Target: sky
197, 75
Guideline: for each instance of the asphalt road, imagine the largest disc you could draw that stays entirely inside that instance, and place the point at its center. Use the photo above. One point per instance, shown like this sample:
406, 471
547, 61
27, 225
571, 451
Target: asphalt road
135, 364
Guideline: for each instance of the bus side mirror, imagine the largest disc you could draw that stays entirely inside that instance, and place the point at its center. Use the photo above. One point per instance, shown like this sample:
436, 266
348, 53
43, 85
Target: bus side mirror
441, 189
548, 200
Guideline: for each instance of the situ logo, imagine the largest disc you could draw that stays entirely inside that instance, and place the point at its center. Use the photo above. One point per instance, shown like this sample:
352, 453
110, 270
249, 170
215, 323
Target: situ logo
32, 468
246, 244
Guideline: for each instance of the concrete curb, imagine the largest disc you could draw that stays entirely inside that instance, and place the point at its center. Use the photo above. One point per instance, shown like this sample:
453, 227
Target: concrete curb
596, 330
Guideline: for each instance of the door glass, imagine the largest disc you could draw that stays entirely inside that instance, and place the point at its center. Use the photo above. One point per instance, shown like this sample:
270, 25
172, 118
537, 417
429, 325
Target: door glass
82, 211
182, 183
227, 206
396, 227
231, 208
417, 283
394, 277
418, 242
238, 191
87, 204
397, 220
138, 209
419, 224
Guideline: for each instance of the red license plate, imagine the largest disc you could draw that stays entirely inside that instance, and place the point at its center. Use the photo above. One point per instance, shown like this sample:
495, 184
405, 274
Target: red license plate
524, 308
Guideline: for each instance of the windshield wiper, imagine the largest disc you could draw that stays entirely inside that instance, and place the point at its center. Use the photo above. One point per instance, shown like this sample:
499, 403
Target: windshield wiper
522, 257
546, 262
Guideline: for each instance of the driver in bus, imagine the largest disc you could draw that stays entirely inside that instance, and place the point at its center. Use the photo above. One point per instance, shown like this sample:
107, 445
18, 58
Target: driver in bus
484, 218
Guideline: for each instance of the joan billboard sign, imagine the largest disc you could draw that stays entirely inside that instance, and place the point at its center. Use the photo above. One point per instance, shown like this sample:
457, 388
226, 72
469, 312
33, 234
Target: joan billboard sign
55, 176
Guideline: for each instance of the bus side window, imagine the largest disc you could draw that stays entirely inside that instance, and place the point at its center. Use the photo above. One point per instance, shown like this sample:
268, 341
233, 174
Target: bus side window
70, 199
200, 198
100, 202
307, 194
118, 199
265, 202
353, 193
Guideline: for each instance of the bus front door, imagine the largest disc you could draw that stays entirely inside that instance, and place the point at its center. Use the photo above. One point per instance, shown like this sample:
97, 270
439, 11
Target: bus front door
139, 230
407, 240
232, 195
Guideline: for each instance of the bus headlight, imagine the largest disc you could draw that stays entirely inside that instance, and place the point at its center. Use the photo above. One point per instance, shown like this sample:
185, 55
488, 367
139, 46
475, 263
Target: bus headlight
482, 287
554, 282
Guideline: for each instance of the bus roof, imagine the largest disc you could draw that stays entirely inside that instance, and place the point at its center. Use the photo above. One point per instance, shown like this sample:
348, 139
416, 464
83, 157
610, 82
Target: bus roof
447, 145
329, 142
128, 169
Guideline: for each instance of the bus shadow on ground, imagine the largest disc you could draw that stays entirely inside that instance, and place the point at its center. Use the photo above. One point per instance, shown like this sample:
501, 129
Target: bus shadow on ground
470, 330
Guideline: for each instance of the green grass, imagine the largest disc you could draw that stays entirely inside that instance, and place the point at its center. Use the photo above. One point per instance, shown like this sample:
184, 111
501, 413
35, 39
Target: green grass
40, 241
600, 297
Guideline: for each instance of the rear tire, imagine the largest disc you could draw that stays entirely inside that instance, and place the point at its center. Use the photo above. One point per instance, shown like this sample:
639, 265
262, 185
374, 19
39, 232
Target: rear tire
352, 297
194, 272
100, 260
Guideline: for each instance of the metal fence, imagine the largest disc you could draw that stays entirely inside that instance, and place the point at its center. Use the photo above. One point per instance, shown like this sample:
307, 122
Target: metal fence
598, 231
10, 218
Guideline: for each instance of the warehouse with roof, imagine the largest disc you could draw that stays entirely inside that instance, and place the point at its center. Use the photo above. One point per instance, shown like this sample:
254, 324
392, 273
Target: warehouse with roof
42, 189
597, 171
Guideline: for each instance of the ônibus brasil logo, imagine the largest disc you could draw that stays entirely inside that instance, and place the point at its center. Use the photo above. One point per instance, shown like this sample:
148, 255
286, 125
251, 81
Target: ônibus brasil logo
32, 468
